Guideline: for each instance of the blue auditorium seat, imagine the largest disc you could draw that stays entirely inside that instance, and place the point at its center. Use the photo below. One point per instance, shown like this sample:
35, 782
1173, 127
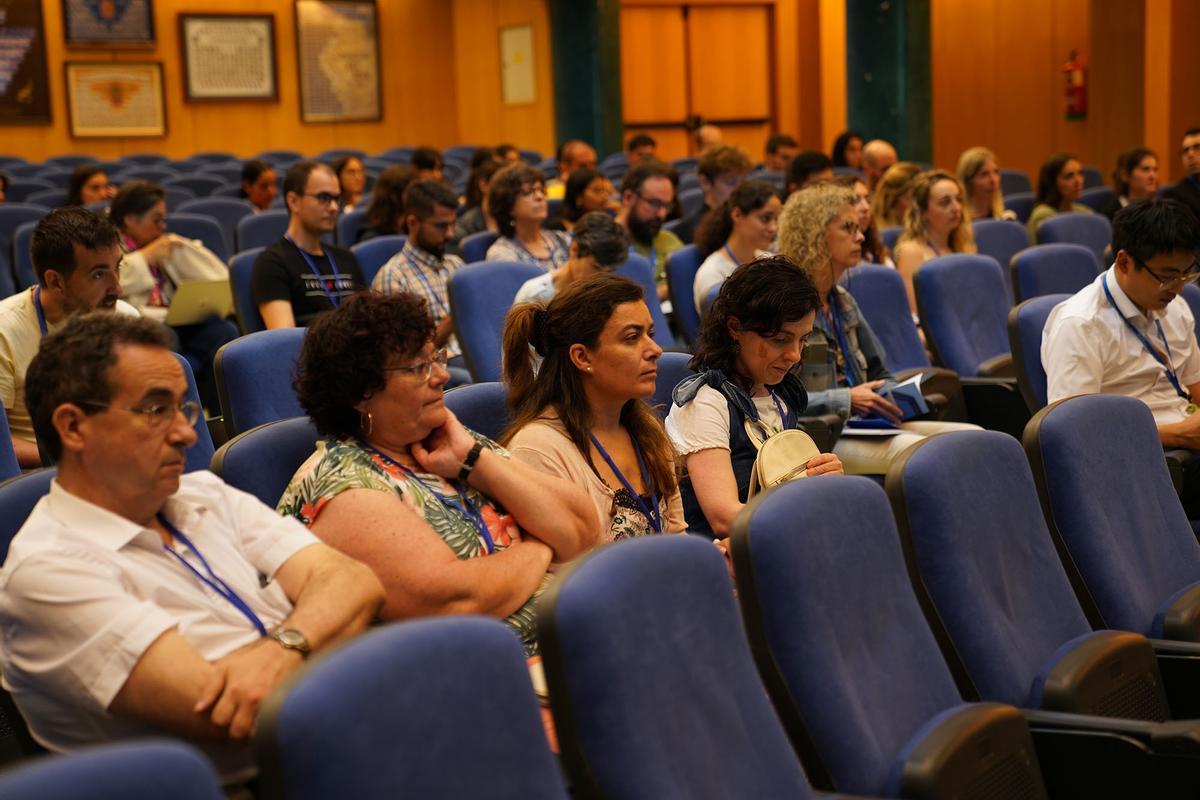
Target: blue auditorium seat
1097, 197
12, 215
261, 229
672, 369
8, 458
964, 310
254, 378
19, 189
1021, 204
480, 296
374, 253
348, 225
1093, 231
682, 266
198, 184
241, 274
1014, 181
999, 238
23, 255
890, 235
1026, 322
482, 407
1052, 269
263, 460
227, 211
203, 227
883, 301
135, 770
18, 496
475, 246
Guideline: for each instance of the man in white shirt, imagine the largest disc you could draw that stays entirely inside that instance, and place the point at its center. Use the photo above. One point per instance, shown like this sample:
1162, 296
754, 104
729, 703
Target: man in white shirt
1126, 333
76, 255
136, 599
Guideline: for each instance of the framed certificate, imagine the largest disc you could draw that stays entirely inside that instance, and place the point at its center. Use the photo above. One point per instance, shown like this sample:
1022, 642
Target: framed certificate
228, 56
108, 22
24, 78
115, 98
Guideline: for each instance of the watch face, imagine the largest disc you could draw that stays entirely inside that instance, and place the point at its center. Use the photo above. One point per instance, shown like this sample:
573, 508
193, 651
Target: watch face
289, 637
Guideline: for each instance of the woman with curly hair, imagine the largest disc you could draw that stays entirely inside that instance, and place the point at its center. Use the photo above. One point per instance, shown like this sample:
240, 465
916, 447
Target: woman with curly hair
517, 201
751, 339
449, 523
843, 368
936, 224
584, 416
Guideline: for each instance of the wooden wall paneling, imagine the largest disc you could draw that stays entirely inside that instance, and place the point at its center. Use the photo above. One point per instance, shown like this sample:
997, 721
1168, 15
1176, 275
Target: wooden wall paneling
729, 61
832, 35
1071, 20
1117, 64
653, 65
1156, 107
1184, 89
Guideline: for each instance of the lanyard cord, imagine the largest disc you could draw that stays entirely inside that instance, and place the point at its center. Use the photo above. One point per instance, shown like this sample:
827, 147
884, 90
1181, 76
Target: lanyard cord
211, 580
463, 506
1166, 365
334, 300
37, 306
551, 248
654, 517
834, 318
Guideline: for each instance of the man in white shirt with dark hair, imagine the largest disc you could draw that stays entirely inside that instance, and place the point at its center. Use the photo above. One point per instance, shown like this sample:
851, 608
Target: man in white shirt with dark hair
1129, 333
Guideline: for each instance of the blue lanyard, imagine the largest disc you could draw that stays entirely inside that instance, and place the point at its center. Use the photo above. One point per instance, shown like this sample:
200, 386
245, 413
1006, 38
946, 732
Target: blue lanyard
334, 300
462, 506
211, 580
551, 248
420, 273
732, 257
1171, 376
835, 321
37, 306
654, 517
782, 417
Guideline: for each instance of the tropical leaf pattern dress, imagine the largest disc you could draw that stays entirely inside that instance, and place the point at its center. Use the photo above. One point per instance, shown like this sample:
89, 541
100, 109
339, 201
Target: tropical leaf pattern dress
340, 465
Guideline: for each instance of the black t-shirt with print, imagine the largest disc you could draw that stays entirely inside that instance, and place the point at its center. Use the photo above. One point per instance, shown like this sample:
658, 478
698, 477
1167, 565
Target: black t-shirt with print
282, 273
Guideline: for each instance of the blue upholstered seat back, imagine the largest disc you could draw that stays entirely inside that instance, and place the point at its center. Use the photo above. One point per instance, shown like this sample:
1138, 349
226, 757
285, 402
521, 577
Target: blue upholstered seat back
682, 266
135, 770
481, 407
1093, 231
634, 690
263, 460
964, 308
1026, 323
1113, 503
1053, 269
882, 299
480, 296
842, 623
986, 557
254, 378
637, 268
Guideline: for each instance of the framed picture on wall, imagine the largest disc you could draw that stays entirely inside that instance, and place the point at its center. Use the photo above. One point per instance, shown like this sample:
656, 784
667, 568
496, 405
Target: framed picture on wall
24, 78
108, 22
115, 98
337, 58
228, 56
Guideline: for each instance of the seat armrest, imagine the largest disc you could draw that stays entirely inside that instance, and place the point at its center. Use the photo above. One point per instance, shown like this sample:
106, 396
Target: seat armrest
824, 430
1179, 665
995, 404
1000, 366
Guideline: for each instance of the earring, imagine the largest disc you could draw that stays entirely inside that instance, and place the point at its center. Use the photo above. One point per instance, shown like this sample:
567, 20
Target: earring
589, 369
366, 422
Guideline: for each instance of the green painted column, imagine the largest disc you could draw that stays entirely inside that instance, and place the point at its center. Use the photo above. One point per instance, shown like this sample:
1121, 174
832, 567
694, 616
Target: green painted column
586, 42
887, 73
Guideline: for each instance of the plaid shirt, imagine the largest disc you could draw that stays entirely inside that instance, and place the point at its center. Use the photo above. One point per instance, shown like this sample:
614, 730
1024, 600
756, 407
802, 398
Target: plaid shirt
418, 271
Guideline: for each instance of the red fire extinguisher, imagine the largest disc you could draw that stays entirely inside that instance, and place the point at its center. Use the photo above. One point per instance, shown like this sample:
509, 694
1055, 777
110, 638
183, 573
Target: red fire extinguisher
1075, 72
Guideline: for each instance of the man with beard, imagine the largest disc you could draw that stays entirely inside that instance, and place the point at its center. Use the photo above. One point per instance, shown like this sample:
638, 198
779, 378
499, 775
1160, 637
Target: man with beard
76, 254
300, 276
423, 268
647, 195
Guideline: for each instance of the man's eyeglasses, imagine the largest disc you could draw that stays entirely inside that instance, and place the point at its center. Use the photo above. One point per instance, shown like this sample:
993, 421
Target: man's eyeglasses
158, 415
422, 371
655, 203
1189, 275
325, 198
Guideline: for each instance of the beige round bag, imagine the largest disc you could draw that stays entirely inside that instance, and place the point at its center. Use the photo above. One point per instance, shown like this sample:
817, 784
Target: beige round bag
782, 456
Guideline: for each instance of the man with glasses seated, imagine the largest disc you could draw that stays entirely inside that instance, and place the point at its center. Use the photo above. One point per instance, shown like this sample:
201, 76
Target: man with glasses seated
137, 599
75, 254
423, 267
301, 276
1128, 333
647, 197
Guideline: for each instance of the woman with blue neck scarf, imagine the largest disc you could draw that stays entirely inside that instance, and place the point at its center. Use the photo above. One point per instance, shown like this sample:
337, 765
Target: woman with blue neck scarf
751, 339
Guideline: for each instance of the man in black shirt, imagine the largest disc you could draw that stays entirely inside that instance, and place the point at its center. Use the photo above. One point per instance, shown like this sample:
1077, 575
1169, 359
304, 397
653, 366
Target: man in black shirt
300, 276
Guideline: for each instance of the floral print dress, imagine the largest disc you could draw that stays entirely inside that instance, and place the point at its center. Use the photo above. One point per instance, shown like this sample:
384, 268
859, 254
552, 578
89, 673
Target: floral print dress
340, 465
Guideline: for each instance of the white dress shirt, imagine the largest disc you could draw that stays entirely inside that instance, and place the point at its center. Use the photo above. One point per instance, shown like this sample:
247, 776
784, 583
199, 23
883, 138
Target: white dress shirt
85, 592
1087, 348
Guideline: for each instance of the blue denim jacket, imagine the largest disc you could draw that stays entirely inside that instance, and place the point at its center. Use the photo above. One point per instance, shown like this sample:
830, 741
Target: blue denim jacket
825, 394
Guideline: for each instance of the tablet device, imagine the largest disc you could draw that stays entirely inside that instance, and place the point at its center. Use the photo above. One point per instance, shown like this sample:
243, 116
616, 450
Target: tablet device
197, 301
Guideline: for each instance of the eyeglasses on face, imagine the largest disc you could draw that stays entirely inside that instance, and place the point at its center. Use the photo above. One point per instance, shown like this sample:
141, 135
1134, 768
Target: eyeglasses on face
1189, 275
157, 415
655, 203
422, 371
324, 198
535, 189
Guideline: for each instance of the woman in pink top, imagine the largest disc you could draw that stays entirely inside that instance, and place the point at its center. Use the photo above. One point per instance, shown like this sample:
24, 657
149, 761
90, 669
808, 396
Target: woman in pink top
584, 415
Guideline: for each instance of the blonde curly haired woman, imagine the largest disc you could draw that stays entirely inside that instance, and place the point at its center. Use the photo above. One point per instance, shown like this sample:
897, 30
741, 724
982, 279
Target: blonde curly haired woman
842, 367
936, 224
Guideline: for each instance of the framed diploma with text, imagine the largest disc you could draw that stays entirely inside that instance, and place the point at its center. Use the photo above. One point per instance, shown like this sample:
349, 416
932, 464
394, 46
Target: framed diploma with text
115, 98
228, 56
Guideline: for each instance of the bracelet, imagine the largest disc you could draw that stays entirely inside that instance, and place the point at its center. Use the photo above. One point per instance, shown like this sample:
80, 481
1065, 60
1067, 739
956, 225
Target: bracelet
469, 462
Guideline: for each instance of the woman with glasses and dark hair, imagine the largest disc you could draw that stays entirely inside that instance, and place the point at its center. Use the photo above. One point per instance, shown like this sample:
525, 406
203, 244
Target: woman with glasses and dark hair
1060, 182
449, 523
517, 201
583, 415
353, 180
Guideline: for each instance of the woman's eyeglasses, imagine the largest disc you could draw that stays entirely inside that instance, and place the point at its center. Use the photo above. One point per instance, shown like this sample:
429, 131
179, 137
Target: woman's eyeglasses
422, 371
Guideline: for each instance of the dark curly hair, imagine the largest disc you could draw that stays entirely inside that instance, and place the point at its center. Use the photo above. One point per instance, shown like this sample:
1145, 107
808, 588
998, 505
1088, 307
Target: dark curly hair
762, 296
504, 190
346, 350
73, 365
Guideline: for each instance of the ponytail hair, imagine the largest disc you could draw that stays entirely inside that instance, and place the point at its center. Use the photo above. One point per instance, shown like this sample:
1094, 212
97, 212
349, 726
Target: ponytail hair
717, 225
577, 315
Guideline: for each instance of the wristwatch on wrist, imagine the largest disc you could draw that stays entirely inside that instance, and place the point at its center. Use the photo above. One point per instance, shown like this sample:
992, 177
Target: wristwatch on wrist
291, 639
469, 462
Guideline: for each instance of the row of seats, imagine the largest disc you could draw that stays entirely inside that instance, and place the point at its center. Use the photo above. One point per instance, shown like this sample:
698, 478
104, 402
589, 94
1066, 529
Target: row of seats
985, 626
